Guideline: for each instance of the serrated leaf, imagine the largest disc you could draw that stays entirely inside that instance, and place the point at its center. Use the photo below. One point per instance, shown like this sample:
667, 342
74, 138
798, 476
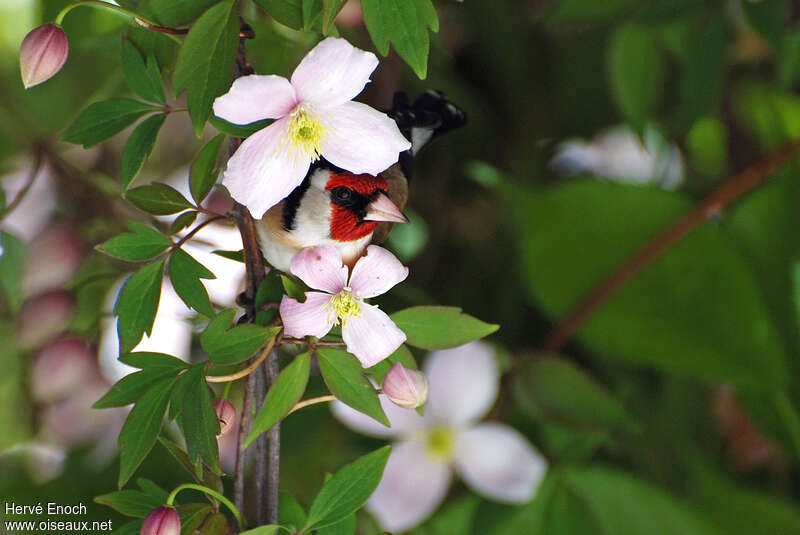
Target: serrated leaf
185, 273
436, 327
557, 390
137, 305
139, 146
142, 243
201, 174
199, 422
102, 120
205, 61
12, 258
146, 360
141, 428
405, 23
130, 502
143, 78
635, 71
182, 221
283, 394
345, 379
402, 355
158, 199
348, 489
133, 386
235, 345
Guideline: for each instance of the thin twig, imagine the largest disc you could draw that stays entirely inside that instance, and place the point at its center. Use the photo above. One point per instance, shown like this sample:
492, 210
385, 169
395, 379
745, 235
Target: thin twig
261, 475
714, 204
197, 229
310, 401
244, 372
244, 429
34, 172
272, 369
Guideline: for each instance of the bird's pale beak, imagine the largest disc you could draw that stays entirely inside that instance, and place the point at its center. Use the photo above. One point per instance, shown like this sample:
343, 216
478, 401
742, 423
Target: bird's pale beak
383, 209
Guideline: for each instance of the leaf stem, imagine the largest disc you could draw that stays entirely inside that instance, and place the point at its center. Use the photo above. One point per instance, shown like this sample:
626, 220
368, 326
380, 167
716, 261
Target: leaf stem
711, 206
195, 230
244, 372
210, 492
310, 401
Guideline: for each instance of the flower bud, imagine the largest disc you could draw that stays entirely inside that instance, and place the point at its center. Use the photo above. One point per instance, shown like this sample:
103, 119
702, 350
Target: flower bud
42, 54
162, 521
226, 413
404, 387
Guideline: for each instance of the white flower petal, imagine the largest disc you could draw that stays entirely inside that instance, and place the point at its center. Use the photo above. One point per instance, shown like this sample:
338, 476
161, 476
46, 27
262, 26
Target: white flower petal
309, 318
403, 421
412, 487
372, 336
376, 273
321, 268
333, 72
256, 97
360, 139
463, 383
498, 462
265, 169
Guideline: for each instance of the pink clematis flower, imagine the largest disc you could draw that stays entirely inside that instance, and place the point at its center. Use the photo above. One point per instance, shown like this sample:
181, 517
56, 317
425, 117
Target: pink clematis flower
493, 459
367, 331
314, 118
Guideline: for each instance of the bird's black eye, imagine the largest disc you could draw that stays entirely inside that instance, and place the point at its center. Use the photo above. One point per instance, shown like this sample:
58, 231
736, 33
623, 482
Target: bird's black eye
342, 193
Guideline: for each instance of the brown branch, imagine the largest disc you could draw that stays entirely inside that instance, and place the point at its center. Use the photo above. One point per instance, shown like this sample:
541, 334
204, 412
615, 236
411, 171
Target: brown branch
246, 32
713, 205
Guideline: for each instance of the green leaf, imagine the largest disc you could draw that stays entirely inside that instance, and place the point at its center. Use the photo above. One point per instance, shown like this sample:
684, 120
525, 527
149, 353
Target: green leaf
142, 243
270, 290
182, 221
147, 361
343, 527
137, 305
330, 8
12, 258
199, 422
238, 256
556, 389
158, 199
131, 528
789, 60
635, 71
234, 345
403, 355
152, 490
586, 10
217, 524
141, 428
454, 519
139, 146
436, 327
143, 78
102, 120
348, 489
404, 23
238, 130
130, 502
175, 13
202, 176
345, 379
288, 12
290, 512
703, 77
263, 530
185, 273
192, 516
133, 386
312, 10
283, 394
656, 318
209, 479
768, 18
206, 59
294, 289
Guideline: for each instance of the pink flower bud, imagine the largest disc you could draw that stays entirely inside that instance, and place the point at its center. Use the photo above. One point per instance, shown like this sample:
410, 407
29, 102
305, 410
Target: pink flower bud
226, 414
404, 387
162, 521
42, 54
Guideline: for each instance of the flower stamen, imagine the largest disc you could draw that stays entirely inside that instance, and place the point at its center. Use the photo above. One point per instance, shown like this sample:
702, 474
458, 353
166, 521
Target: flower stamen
440, 443
306, 132
344, 305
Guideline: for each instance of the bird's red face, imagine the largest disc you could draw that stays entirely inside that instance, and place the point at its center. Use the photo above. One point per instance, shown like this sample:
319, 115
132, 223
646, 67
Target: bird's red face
358, 203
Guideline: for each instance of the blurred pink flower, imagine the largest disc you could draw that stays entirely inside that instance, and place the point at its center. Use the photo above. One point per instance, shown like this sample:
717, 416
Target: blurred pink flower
315, 117
492, 458
43, 317
367, 331
42, 54
53, 259
61, 368
404, 387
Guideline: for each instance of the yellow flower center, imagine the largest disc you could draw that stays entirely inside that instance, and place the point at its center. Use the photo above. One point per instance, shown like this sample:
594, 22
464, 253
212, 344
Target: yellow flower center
305, 132
440, 443
344, 305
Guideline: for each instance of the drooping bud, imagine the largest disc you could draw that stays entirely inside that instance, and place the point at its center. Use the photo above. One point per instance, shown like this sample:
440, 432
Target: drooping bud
226, 413
162, 521
42, 54
404, 387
